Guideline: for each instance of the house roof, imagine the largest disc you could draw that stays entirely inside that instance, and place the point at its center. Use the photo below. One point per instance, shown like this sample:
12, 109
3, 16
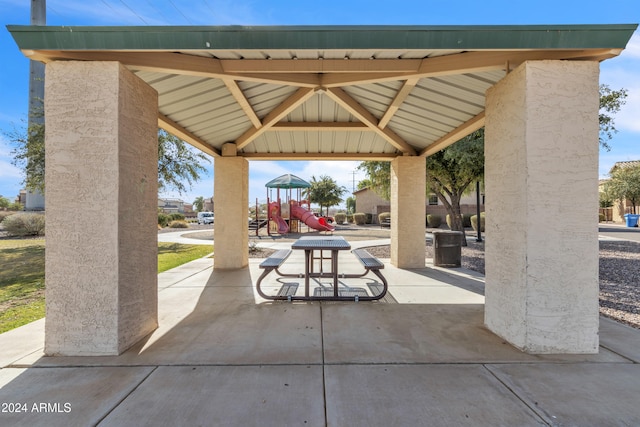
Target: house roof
625, 164
328, 92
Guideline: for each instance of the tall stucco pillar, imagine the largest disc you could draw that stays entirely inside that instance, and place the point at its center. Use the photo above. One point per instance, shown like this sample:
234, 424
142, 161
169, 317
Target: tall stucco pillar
408, 199
541, 166
101, 189
231, 201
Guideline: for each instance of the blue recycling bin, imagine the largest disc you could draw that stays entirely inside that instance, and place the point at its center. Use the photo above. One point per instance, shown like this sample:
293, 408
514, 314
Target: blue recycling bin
632, 220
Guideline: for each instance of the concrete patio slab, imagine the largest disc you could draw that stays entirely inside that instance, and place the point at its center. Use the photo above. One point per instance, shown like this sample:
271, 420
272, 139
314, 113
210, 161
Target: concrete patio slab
223, 334
577, 394
225, 396
222, 355
419, 395
423, 333
65, 396
620, 339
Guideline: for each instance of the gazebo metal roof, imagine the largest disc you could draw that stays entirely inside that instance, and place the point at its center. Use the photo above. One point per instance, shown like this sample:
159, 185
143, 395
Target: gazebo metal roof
330, 92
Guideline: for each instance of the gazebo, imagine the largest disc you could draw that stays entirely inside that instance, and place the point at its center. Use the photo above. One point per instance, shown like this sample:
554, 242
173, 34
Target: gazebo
387, 93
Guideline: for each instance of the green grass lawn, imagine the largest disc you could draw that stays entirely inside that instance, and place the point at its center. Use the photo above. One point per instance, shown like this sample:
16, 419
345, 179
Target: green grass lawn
171, 255
22, 276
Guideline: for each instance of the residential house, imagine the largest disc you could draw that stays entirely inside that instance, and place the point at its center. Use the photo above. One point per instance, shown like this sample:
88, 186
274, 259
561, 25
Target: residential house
170, 206
621, 207
368, 201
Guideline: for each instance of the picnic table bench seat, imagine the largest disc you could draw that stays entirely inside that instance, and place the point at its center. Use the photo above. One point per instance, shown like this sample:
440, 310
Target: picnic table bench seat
272, 262
371, 264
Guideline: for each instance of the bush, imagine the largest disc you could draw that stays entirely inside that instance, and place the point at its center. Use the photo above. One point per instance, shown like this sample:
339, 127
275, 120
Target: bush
176, 217
383, 216
163, 220
24, 224
4, 214
360, 218
434, 221
179, 224
474, 222
349, 218
340, 218
466, 220
601, 218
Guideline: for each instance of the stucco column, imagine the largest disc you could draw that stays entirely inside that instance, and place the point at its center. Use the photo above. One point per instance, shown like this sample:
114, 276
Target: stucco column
231, 204
408, 189
541, 177
101, 189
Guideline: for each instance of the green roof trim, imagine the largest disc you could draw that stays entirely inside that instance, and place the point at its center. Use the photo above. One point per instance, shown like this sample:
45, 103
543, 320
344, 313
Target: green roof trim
512, 37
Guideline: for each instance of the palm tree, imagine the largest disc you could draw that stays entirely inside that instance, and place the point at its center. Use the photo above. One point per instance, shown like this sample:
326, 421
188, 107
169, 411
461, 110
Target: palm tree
198, 204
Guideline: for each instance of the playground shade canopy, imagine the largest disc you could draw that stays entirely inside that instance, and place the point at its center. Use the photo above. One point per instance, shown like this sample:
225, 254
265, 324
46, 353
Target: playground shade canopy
287, 181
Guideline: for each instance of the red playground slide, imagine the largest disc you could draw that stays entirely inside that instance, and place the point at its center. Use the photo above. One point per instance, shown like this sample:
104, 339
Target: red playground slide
320, 224
283, 227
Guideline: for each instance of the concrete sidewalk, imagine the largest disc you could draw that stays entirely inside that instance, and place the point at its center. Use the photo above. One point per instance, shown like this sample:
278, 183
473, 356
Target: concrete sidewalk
222, 356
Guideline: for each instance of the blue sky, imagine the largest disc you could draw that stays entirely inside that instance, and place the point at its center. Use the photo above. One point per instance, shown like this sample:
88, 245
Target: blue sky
621, 72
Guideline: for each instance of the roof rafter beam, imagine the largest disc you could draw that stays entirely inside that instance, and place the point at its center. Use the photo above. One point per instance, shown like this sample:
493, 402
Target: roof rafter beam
468, 62
174, 128
352, 106
319, 126
242, 101
288, 105
319, 66
174, 63
455, 135
381, 157
402, 94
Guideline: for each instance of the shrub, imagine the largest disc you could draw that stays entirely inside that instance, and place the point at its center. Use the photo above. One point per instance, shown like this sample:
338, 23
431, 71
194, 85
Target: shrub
474, 222
350, 218
163, 220
466, 220
434, 221
179, 224
24, 224
5, 214
340, 218
383, 216
601, 218
176, 217
360, 218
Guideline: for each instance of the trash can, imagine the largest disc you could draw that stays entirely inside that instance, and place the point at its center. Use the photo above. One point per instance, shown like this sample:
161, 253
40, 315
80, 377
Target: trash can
632, 220
447, 248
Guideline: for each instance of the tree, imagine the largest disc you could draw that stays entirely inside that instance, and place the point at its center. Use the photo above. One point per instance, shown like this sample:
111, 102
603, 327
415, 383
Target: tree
325, 192
625, 184
4, 202
198, 203
177, 162
611, 101
378, 177
29, 154
351, 204
452, 170
449, 173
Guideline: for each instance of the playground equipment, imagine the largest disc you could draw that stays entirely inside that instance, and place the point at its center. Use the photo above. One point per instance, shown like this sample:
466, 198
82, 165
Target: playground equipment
292, 210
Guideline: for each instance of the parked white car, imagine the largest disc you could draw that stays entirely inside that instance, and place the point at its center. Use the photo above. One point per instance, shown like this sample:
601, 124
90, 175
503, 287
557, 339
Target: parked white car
205, 217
